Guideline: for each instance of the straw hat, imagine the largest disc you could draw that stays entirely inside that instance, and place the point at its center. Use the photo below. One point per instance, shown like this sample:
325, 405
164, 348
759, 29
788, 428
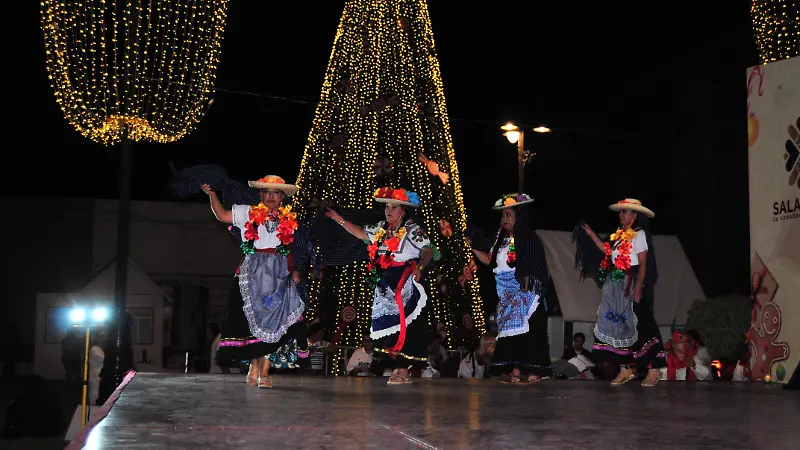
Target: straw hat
633, 205
274, 182
398, 196
512, 200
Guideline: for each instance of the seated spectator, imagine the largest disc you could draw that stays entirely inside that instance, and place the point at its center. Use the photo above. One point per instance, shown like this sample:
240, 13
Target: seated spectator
473, 365
578, 340
687, 358
361, 362
316, 343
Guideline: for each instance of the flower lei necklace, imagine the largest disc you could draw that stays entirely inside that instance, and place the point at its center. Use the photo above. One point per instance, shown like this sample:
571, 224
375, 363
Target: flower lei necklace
511, 260
378, 263
261, 215
623, 261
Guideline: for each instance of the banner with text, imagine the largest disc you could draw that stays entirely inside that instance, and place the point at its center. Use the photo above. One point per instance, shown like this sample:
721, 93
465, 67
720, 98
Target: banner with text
773, 126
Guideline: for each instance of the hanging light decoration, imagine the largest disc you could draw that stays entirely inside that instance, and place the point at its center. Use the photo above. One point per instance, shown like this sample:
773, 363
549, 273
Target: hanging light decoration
141, 69
776, 24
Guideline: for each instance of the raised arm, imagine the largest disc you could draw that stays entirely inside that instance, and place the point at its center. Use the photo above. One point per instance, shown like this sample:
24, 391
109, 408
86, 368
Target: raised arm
350, 227
482, 256
222, 214
594, 237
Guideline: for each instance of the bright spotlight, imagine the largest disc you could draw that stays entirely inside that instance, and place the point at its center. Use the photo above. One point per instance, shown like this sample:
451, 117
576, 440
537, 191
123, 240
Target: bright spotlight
77, 315
99, 314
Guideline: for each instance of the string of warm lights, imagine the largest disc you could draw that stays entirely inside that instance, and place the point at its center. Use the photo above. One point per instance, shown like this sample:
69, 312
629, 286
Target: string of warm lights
776, 24
382, 97
144, 69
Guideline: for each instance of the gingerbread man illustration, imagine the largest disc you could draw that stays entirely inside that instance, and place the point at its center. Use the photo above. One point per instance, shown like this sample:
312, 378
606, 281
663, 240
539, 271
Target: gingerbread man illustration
764, 350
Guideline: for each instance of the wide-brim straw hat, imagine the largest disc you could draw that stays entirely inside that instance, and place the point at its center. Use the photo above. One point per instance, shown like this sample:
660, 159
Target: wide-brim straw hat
512, 200
633, 205
391, 196
274, 182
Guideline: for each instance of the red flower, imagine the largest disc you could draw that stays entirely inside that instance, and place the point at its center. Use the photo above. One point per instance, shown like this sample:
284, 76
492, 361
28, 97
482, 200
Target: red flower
373, 250
393, 244
607, 248
384, 192
512, 257
286, 237
258, 213
400, 194
250, 231
385, 261
604, 264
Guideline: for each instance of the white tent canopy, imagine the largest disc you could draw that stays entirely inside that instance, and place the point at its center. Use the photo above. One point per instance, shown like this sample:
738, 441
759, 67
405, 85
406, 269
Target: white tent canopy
676, 290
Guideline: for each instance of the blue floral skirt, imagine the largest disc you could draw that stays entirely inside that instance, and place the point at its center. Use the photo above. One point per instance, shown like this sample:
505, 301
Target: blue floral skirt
522, 341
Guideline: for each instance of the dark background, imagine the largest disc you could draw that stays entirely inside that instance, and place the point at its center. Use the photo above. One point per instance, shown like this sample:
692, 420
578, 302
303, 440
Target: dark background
646, 101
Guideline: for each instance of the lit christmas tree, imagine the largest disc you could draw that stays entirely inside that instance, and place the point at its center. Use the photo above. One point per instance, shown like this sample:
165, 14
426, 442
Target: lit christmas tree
776, 25
382, 121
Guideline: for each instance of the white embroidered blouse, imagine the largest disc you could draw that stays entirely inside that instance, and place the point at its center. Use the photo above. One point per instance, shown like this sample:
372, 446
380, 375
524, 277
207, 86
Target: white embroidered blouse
267, 234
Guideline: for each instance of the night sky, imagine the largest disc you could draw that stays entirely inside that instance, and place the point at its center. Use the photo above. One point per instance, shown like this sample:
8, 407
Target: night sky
645, 102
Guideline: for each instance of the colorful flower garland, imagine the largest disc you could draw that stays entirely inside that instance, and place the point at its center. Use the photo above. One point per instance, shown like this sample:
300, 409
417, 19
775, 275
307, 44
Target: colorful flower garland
511, 260
623, 261
260, 215
378, 263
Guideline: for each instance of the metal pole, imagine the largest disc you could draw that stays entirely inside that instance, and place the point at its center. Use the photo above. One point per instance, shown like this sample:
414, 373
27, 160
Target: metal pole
123, 246
84, 397
521, 162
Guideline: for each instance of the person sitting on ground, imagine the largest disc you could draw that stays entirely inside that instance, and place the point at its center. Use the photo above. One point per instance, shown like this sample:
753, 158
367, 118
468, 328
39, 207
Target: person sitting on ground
361, 362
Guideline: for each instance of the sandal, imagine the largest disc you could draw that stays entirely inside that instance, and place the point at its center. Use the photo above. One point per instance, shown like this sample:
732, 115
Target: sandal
264, 383
398, 378
651, 380
623, 378
251, 377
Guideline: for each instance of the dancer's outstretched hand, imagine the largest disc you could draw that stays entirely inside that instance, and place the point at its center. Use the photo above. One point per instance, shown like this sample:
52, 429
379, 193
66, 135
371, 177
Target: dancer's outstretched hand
296, 277
588, 229
207, 189
333, 215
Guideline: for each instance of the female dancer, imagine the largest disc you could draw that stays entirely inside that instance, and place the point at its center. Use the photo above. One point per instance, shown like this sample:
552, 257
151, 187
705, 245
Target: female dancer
399, 252
518, 261
626, 329
265, 316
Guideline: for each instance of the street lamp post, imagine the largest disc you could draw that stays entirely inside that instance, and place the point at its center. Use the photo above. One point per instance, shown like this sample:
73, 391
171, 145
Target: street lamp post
80, 318
516, 135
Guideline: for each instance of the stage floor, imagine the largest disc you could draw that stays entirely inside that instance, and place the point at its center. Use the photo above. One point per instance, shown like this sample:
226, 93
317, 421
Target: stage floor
220, 411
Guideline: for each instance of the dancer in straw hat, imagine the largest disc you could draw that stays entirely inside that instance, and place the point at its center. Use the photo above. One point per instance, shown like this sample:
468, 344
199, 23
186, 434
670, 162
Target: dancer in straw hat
626, 331
399, 252
518, 261
264, 322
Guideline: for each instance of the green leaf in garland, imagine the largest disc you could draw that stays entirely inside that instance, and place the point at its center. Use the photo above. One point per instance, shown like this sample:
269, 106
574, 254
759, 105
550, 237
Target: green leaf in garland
248, 247
437, 255
617, 275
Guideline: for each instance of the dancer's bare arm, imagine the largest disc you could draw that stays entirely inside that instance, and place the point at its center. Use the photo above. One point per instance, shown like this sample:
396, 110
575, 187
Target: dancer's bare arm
222, 214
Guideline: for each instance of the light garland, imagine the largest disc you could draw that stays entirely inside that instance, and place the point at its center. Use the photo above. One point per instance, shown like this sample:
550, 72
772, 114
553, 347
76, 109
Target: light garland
776, 24
145, 68
382, 97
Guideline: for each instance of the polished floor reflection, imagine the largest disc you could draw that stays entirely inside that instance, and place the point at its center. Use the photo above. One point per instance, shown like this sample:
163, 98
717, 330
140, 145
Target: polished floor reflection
220, 411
